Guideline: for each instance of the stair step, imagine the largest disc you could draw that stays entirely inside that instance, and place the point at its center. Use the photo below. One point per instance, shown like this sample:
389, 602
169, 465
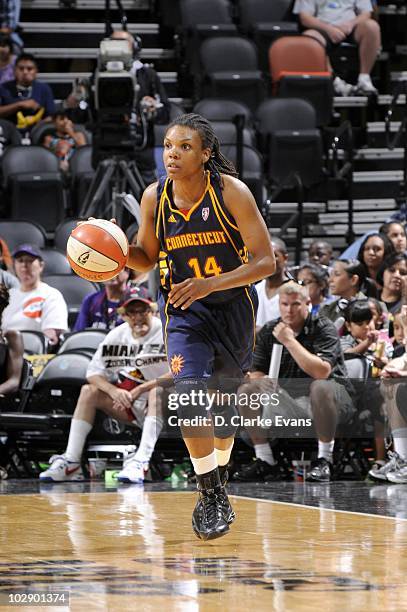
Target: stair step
358, 216
291, 207
378, 176
80, 28
69, 77
92, 53
362, 101
378, 127
364, 204
83, 5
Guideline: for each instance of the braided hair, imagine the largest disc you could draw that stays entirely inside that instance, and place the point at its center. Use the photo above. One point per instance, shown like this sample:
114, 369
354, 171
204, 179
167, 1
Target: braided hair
217, 164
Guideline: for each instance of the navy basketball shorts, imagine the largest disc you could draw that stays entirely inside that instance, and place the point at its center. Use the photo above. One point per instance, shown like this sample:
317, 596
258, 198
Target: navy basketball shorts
211, 342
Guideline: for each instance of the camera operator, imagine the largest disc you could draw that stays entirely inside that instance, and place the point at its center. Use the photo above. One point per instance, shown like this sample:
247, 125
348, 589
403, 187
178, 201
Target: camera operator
152, 101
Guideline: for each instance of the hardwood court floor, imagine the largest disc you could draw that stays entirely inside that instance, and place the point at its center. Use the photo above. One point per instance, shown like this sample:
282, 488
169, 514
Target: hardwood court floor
134, 550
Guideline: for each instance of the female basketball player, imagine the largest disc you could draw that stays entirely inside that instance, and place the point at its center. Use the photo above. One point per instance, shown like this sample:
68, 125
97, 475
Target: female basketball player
200, 224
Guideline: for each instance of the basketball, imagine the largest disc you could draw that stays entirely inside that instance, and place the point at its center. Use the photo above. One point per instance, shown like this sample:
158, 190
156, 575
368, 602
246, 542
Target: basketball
97, 250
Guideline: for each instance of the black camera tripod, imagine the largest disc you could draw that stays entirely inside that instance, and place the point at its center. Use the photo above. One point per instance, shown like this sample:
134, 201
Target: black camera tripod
120, 174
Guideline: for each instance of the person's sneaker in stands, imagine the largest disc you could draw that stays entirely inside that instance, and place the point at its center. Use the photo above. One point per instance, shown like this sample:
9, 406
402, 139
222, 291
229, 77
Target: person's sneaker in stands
342, 88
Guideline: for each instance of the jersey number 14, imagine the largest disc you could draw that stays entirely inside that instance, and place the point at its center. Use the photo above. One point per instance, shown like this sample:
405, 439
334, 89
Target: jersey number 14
211, 267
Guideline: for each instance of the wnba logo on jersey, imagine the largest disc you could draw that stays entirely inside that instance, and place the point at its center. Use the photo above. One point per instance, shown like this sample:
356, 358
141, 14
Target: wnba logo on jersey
205, 213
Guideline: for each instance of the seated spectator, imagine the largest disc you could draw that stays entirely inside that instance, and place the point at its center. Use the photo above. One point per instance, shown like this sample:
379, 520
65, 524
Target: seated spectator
99, 309
346, 280
380, 314
34, 305
394, 390
128, 393
267, 289
332, 23
312, 354
9, 20
400, 337
392, 277
320, 252
24, 100
373, 251
65, 140
396, 232
7, 59
315, 278
11, 352
362, 340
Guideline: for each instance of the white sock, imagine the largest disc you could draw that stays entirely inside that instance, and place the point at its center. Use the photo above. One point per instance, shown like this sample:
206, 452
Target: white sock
364, 76
151, 430
223, 456
264, 452
77, 437
325, 450
400, 441
203, 465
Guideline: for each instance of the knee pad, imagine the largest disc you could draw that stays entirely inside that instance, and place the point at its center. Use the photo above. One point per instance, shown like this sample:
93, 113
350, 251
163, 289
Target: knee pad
192, 398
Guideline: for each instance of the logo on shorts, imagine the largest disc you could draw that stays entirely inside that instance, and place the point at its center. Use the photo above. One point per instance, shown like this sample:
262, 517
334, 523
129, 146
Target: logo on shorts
177, 363
83, 258
205, 213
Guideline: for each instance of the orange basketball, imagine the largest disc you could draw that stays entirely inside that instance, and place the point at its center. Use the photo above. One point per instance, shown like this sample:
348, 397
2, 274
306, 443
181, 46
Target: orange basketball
97, 250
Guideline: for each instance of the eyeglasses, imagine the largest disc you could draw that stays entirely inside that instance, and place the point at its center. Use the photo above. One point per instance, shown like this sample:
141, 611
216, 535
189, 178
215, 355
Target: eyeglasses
142, 312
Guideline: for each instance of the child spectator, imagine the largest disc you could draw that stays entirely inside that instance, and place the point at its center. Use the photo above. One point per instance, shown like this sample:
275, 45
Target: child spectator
65, 140
315, 278
396, 232
7, 59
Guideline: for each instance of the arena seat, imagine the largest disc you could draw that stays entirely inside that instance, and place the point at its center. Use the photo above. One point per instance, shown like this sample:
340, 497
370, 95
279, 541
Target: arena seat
265, 22
74, 289
34, 185
18, 232
62, 233
218, 109
85, 340
35, 342
201, 19
82, 173
230, 70
299, 68
55, 262
251, 171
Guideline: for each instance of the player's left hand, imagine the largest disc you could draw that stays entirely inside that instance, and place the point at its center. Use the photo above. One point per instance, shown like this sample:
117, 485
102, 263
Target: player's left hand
185, 293
283, 333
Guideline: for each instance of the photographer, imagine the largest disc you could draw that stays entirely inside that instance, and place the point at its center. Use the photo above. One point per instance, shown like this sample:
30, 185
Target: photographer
151, 100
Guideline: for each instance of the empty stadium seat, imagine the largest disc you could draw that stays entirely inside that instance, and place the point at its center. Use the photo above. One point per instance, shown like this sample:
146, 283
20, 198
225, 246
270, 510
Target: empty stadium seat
82, 173
35, 342
266, 21
9, 135
55, 262
299, 69
226, 132
252, 169
230, 70
57, 388
74, 289
85, 340
34, 185
62, 233
202, 19
218, 109
22, 232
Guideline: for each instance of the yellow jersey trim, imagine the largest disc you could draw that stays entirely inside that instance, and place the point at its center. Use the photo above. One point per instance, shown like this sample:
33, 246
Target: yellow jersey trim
254, 318
215, 208
187, 216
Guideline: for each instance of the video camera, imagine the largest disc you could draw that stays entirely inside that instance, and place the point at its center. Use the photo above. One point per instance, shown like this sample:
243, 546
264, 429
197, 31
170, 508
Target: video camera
115, 103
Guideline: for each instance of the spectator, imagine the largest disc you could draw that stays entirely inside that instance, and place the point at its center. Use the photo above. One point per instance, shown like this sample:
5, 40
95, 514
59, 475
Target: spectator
65, 140
7, 59
392, 277
394, 390
315, 278
380, 313
400, 337
331, 23
347, 278
267, 289
129, 393
6, 278
9, 20
396, 232
320, 252
24, 100
34, 305
11, 352
373, 251
313, 355
6, 263
99, 309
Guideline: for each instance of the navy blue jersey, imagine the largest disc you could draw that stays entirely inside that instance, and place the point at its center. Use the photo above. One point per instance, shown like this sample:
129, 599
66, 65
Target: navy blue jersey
203, 241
